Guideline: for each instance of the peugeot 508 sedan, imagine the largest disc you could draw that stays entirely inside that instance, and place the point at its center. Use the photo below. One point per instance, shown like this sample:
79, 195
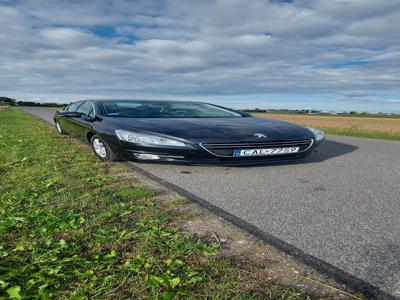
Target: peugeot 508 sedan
183, 131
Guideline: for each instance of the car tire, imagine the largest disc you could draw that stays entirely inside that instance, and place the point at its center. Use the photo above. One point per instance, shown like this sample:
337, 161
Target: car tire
101, 149
59, 128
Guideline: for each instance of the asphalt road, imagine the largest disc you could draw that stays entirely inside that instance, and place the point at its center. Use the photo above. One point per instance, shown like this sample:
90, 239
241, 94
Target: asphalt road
338, 210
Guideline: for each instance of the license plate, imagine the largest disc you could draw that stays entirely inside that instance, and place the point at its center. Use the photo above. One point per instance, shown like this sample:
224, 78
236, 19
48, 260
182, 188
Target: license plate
265, 152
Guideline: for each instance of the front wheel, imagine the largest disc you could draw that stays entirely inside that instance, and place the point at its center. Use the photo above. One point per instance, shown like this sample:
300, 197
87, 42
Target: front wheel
101, 149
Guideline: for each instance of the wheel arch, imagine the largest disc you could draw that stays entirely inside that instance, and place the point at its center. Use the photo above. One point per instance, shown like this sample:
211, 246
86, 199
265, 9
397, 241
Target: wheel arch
89, 135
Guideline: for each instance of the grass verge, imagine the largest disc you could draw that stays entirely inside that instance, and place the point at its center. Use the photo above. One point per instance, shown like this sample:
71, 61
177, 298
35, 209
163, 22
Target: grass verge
73, 227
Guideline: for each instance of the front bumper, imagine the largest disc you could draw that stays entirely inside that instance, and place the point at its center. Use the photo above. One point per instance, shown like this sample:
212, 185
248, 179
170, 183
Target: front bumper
200, 156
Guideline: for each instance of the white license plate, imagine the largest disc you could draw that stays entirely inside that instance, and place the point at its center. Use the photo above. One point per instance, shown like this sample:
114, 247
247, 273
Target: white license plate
265, 152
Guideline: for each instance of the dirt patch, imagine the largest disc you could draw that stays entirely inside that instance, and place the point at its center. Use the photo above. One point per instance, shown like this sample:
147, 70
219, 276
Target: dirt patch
265, 263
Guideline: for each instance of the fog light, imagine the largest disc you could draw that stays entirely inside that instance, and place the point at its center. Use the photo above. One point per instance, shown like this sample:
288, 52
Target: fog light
146, 156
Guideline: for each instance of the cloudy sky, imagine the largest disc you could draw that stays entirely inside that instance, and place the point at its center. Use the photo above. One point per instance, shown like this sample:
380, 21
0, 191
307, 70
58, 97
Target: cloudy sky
322, 54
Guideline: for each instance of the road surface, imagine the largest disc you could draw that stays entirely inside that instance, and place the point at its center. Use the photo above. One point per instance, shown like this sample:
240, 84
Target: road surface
339, 210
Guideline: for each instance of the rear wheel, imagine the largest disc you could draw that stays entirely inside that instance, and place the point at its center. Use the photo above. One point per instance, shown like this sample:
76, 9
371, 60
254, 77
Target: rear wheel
59, 128
101, 149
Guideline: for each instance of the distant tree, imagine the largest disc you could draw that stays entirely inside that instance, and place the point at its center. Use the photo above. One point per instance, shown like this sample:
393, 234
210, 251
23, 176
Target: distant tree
7, 100
48, 104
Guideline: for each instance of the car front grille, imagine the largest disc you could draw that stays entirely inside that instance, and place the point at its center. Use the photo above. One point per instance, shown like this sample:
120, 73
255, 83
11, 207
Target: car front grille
227, 149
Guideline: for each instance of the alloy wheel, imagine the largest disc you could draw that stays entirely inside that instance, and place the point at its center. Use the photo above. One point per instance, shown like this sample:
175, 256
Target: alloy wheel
99, 148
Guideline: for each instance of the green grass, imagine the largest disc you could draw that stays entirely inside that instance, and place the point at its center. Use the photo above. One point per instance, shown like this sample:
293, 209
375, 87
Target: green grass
71, 227
362, 133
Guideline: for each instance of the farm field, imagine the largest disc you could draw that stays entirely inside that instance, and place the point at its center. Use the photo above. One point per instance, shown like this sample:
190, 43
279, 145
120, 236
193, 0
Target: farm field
369, 127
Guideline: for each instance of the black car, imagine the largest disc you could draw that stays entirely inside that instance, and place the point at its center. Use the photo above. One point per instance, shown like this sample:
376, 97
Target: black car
178, 131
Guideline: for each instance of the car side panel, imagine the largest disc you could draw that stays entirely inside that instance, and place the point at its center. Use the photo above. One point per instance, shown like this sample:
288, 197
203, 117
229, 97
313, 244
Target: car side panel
80, 128
67, 123
64, 123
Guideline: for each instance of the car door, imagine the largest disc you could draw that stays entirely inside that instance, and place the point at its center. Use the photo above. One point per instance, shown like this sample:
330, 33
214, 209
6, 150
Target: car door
85, 122
66, 122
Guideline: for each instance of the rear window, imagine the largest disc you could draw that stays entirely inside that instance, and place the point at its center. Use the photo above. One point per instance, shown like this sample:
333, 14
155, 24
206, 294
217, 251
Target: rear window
73, 106
86, 108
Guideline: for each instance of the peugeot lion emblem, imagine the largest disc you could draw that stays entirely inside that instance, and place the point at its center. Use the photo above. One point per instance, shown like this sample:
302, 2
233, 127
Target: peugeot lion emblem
260, 135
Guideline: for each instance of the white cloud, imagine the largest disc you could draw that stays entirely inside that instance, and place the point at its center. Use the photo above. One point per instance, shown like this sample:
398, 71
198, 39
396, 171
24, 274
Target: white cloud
201, 48
68, 38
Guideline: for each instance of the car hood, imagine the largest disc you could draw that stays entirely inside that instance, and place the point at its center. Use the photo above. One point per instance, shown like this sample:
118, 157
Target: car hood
199, 130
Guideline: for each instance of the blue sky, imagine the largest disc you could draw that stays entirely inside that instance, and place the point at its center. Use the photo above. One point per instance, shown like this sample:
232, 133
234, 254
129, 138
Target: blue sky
325, 54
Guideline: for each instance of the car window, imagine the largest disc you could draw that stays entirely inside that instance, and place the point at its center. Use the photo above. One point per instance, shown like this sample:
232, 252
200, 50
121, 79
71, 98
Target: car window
91, 113
85, 108
74, 106
165, 109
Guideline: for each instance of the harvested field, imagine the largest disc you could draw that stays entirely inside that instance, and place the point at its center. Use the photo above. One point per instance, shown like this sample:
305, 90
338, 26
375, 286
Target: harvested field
387, 128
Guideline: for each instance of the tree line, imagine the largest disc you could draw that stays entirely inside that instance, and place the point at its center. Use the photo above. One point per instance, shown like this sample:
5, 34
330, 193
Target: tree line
13, 102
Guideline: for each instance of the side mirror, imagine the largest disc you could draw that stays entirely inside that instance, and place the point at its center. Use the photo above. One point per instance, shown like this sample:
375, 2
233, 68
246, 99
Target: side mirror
246, 114
91, 119
87, 118
69, 114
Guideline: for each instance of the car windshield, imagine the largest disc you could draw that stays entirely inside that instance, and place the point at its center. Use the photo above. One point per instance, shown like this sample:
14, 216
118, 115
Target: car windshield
150, 109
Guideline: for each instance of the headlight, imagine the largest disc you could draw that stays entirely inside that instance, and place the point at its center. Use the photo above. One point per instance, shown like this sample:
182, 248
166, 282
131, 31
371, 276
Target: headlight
319, 134
147, 139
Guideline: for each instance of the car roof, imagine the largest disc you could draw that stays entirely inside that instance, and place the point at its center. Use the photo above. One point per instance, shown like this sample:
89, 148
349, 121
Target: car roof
139, 100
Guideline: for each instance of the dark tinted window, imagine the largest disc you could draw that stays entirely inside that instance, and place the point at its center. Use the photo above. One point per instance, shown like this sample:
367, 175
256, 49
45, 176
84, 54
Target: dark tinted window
74, 106
165, 109
85, 108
